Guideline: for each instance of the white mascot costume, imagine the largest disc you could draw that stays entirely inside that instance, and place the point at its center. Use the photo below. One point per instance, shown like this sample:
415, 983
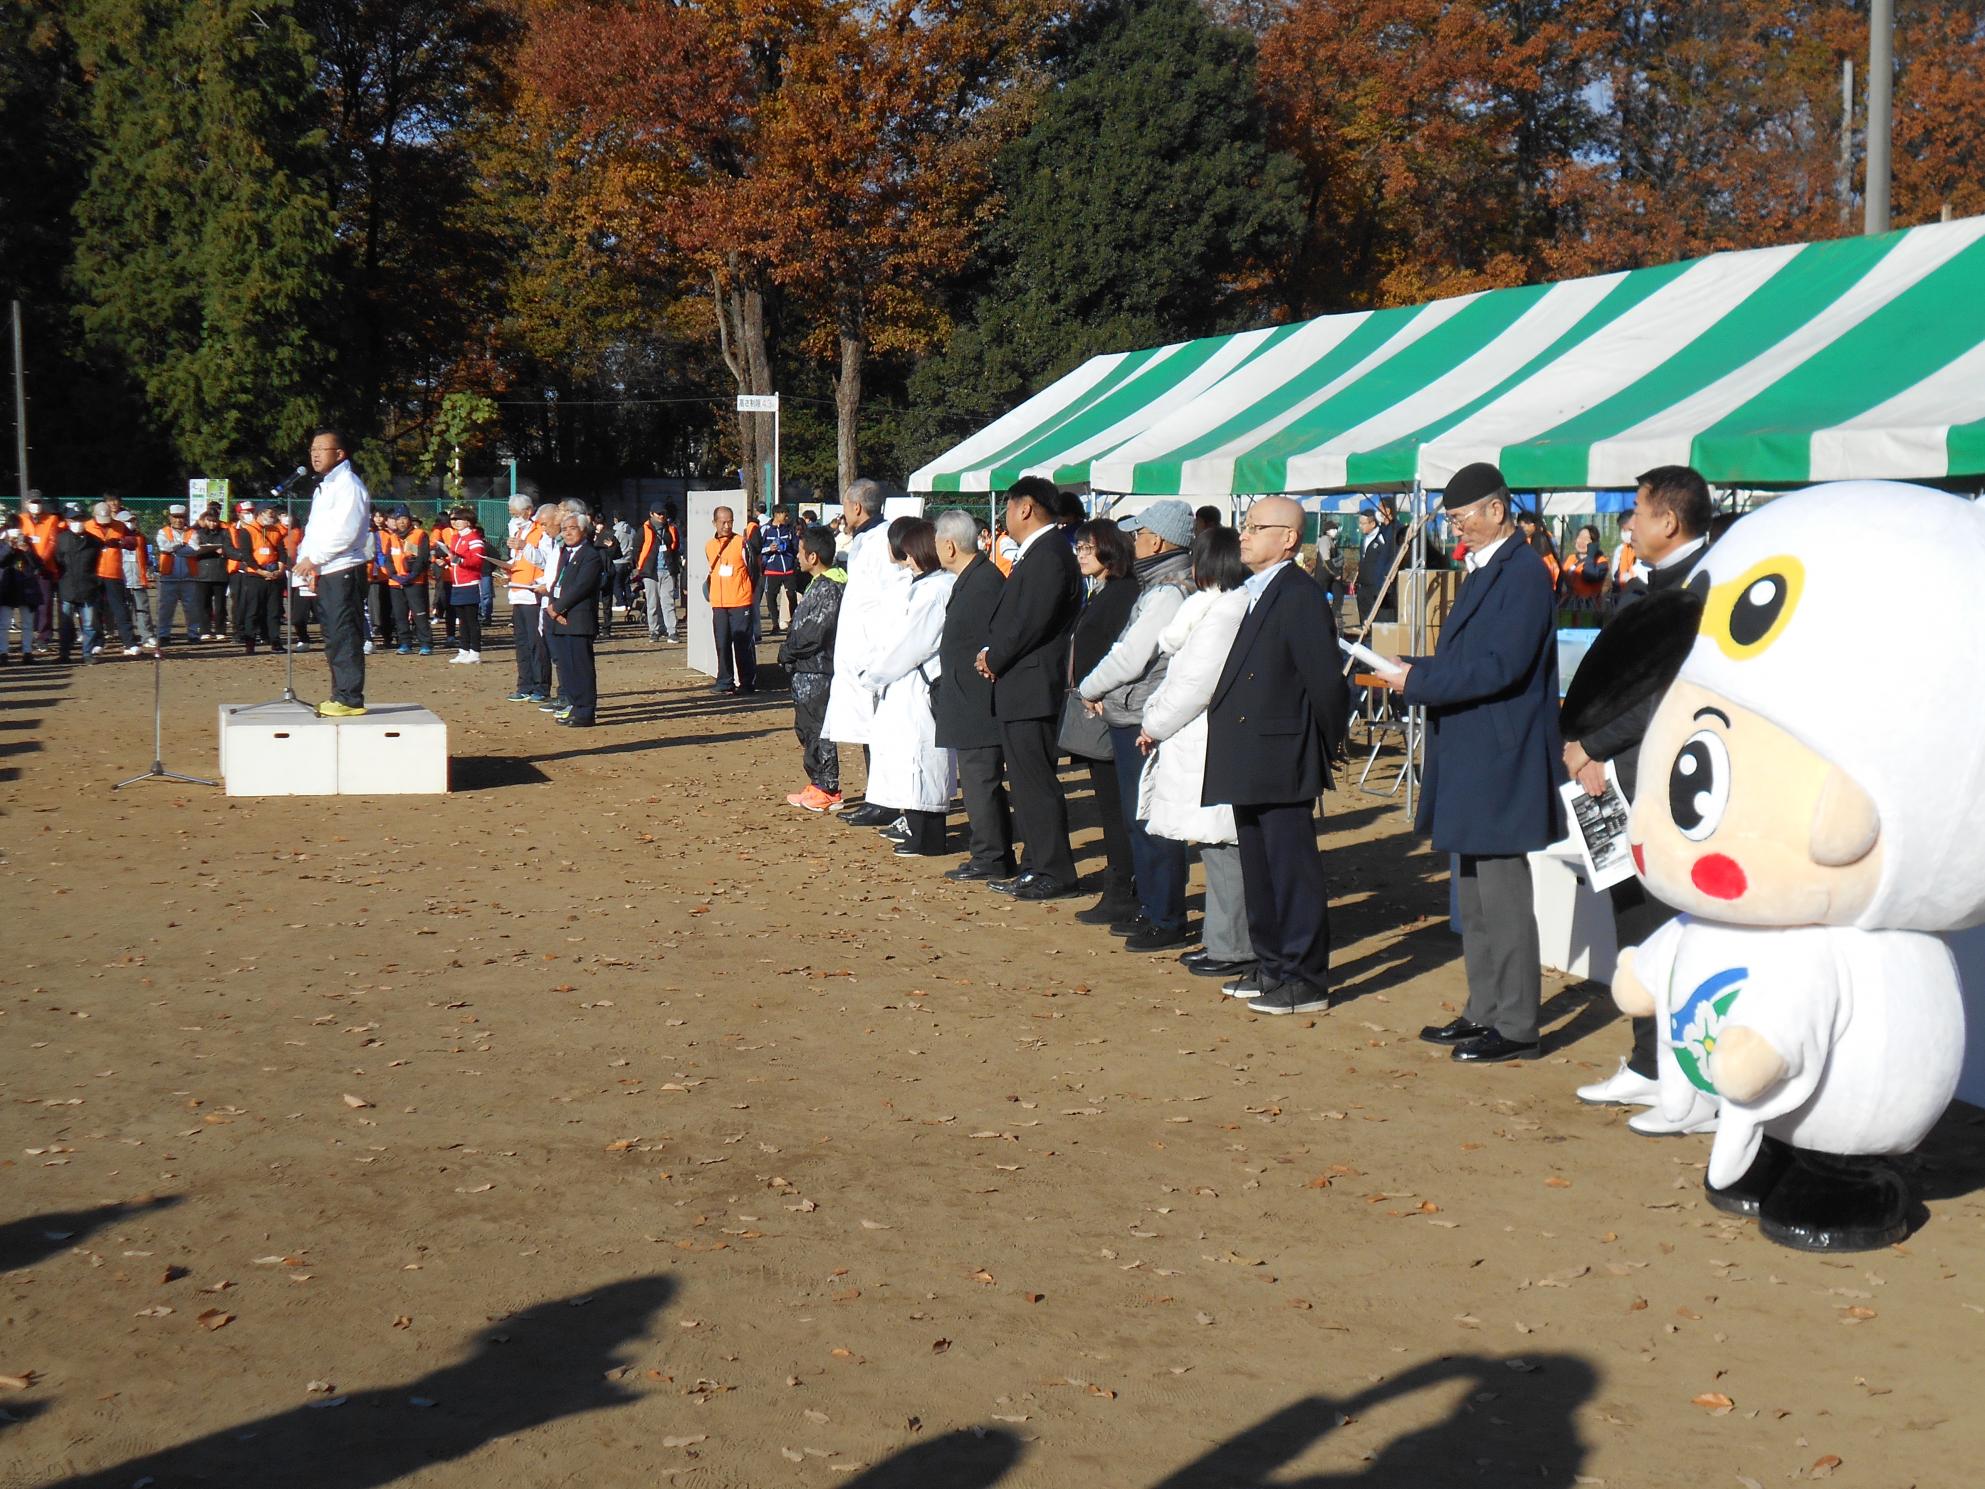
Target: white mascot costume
1814, 835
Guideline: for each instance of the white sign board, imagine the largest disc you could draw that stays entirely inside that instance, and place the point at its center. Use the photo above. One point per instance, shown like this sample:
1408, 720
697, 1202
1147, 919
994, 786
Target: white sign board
758, 403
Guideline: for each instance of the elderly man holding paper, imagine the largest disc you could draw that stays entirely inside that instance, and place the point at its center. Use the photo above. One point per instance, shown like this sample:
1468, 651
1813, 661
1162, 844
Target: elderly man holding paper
1490, 794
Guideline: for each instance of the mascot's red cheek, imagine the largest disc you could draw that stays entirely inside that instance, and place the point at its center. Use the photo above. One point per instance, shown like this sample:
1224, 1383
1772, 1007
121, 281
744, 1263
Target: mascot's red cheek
1639, 859
1718, 877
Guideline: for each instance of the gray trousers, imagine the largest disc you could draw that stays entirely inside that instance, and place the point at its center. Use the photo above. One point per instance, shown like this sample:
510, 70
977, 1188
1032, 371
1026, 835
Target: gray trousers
1499, 945
178, 599
988, 813
141, 615
660, 595
1225, 932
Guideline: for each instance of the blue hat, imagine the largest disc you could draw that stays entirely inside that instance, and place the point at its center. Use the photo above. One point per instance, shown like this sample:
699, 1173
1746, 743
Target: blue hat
1170, 519
402, 510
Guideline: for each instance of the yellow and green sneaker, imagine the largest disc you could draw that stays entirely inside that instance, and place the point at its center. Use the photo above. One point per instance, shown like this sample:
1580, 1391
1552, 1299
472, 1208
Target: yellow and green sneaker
332, 709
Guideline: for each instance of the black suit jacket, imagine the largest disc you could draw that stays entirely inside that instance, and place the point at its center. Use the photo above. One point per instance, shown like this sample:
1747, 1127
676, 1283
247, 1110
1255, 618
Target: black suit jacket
1374, 563
575, 593
1027, 644
1281, 704
962, 703
1618, 739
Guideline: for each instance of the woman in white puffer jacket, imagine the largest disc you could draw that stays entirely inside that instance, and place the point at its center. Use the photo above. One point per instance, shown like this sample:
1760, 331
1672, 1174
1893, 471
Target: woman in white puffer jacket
1197, 640
908, 771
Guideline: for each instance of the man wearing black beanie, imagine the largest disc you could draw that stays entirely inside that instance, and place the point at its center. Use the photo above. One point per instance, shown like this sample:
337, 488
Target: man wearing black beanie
1494, 764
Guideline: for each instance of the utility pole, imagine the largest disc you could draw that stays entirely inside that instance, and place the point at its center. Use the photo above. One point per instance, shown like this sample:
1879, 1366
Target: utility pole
20, 409
1881, 107
1843, 181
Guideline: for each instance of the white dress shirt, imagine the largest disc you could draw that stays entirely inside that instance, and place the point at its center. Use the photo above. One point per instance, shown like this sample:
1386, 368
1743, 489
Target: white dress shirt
340, 522
1256, 585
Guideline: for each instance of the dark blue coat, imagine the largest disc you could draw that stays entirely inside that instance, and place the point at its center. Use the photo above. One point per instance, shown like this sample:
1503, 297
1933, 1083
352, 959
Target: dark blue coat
1494, 760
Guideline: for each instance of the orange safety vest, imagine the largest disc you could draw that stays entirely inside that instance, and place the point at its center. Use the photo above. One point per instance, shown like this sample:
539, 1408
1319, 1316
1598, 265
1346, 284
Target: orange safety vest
403, 551
168, 562
115, 537
41, 536
1000, 560
266, 545
523, 570
730, 591
1628, 566
233, 531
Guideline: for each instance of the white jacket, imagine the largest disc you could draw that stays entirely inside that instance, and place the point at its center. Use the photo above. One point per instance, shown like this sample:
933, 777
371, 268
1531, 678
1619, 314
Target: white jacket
907, 770
871, 606
339, 527
1197, 640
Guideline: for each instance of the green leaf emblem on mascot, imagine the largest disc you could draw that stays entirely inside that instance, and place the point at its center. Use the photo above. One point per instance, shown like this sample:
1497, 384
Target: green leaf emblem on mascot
1815, 841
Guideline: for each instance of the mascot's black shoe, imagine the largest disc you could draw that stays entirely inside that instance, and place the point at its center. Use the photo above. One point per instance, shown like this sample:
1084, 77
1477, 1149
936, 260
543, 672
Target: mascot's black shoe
1829, 1203
1746, 1195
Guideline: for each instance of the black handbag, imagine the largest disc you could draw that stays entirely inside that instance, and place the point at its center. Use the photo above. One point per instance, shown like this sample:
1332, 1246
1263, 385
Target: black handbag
1083, 733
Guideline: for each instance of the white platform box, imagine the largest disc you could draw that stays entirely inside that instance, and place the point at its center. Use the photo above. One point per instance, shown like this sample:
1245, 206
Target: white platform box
277, 749
1574, 923
392, 749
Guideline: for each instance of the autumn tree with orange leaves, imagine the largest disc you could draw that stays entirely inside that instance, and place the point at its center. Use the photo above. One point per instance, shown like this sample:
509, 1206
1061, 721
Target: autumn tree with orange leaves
828, 151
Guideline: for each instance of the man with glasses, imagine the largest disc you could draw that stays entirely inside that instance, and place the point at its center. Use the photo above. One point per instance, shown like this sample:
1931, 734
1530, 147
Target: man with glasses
1276, 717
1490, 795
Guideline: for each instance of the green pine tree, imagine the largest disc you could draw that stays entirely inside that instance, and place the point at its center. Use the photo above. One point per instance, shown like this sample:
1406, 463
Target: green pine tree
1142, 206
203, 238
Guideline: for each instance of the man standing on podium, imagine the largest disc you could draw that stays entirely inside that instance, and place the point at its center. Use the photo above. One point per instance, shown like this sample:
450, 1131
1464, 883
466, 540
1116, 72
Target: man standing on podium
332, 561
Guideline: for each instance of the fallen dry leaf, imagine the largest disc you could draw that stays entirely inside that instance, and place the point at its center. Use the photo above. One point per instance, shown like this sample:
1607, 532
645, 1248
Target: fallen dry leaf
1554, 1182
356, 1103
402, 1321
157, 1310
1823, 1467
939, 1346
213, 1318
684, 1442
1714, 1401
19, 1382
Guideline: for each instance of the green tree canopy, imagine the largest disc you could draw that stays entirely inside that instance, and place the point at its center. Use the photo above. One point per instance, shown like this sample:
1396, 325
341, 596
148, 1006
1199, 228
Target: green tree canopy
203, 238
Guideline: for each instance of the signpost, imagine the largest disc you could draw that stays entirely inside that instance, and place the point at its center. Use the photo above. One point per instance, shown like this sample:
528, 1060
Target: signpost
765, 403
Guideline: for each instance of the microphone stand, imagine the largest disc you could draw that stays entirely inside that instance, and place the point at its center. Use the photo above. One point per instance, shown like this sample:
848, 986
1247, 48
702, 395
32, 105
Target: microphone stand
158, 772
287, 491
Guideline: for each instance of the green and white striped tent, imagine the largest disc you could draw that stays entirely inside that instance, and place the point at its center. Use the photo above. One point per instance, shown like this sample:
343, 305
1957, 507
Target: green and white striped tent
1861, 357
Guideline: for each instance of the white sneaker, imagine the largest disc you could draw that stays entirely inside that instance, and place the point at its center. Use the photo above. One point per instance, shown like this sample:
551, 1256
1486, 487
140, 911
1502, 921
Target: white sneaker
368, 648
1700, 1117
1623, 1087
472, 657
460, 656
130, 651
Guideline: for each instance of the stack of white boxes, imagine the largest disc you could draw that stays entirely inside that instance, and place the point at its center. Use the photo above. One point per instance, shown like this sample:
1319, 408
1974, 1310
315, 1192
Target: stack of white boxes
284, 749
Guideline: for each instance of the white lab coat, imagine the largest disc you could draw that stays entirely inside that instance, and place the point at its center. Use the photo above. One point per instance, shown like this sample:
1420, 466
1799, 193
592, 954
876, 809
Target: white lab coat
1197, 640
1870, 1025
907, 769
870, 607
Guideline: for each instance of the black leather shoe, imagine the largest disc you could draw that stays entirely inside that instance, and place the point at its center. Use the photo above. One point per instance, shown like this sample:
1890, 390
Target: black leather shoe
1131, 926
1454, 1031
1492, 1049
1041, 887
1291, 997
1199, 964
968, 873
868, 814
1157, 938
1107, 911
1012, 885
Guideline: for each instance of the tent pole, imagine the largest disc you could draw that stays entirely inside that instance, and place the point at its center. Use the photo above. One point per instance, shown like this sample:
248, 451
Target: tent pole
1418, 630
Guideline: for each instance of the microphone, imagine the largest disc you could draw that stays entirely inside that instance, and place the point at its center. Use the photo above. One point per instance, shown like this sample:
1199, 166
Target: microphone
283, 490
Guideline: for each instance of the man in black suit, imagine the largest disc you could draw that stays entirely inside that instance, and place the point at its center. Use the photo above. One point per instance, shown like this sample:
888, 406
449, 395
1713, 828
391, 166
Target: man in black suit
962, 701
1672, 512
1378, 546
1277, 715
573, 608
1025, 659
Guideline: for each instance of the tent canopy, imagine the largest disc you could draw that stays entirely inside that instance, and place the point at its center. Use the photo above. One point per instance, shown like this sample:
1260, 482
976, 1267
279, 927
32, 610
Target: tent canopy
1854, 358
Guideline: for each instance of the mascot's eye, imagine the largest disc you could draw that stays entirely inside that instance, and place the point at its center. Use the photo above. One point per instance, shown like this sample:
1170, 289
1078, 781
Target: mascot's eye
1751, 618
1699, 785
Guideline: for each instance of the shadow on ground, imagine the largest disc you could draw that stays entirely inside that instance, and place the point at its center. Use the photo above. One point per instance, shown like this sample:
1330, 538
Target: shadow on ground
548, 1362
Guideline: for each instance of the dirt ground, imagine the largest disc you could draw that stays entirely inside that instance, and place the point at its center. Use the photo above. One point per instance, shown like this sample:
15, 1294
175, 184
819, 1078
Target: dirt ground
608, 1122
